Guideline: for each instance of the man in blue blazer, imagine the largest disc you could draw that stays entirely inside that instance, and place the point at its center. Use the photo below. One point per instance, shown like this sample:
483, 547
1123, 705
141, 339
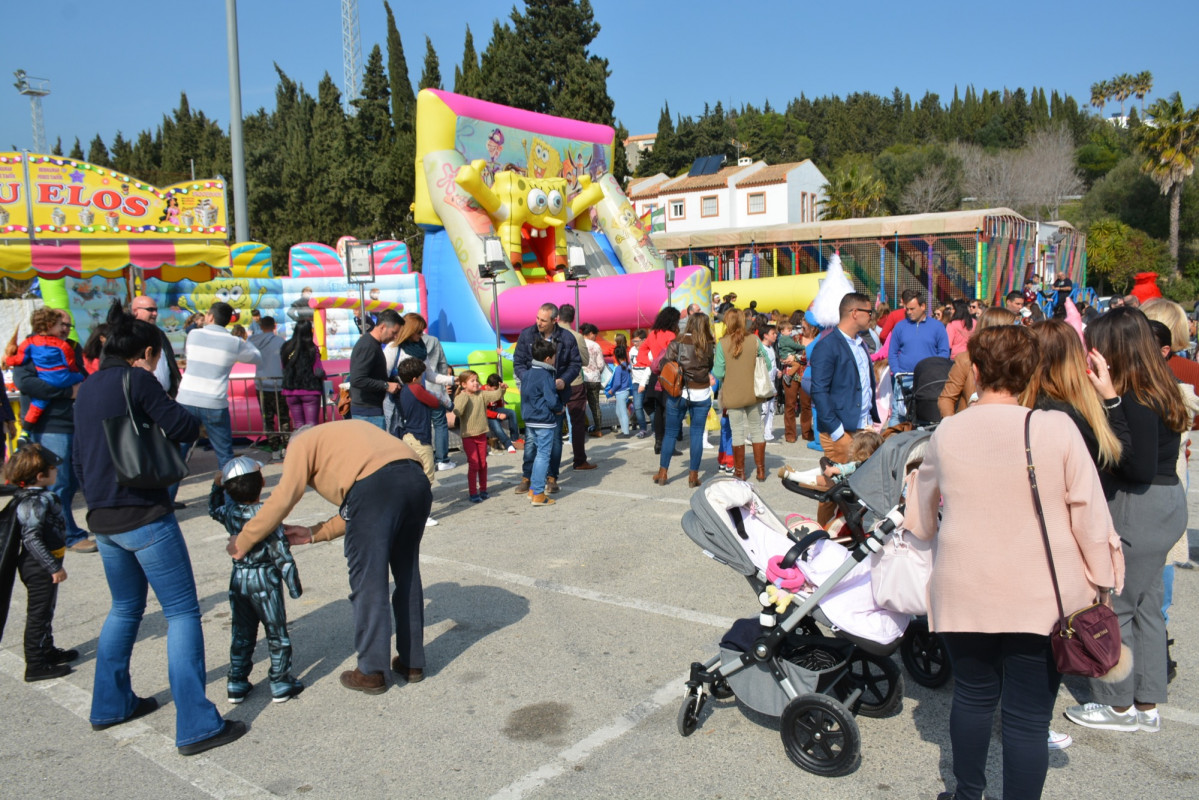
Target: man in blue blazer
843, 385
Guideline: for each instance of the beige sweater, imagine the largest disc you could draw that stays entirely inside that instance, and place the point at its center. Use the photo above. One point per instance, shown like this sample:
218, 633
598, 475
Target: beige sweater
472, 410
990, 574
330, 458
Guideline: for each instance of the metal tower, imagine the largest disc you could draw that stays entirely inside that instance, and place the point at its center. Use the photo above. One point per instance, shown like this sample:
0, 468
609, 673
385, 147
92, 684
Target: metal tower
351, 53
35, 89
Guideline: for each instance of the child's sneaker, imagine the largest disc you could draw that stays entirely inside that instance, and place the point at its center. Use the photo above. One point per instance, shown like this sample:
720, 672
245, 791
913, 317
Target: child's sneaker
483, 494
286, 689
1059, 741
474, 498
59, 656
238, 690
46, 672
512, 448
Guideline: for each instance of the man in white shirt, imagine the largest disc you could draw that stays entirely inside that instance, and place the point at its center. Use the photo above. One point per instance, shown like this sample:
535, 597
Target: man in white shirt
167, 371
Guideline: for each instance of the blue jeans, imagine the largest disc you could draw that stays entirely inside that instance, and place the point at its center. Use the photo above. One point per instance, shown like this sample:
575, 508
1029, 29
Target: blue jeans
496, 426
153, 555
554, 449
65, 486
378, 420
441, 435
639, 407
220, 432
1012, 671
676, 408
622, 411
540, 441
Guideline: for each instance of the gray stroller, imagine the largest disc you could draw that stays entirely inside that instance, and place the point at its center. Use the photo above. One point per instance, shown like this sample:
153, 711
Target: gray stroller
783, 664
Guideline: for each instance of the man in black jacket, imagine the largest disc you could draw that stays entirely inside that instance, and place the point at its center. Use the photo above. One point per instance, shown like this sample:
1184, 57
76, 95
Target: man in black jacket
368, 370
167, 371
567, 365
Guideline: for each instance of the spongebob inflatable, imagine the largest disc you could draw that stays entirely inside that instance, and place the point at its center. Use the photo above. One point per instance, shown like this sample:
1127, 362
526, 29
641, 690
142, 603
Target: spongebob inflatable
237, 292
529, 214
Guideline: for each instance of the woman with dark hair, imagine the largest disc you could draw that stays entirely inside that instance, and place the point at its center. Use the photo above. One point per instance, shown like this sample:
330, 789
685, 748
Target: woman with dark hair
303, 375
664, 331
991, 597
693, 351
959, 328
733, 366
94, 347
141, 545
1148, 506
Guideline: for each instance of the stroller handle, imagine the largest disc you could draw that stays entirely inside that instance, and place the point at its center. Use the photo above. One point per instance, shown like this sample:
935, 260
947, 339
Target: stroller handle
801, 547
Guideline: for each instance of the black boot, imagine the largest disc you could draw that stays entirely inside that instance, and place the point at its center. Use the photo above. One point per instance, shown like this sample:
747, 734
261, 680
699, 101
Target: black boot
657, 446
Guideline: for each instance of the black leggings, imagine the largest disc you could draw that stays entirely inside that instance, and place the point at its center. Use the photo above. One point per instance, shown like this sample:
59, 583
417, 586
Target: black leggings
1016, 672
655, 401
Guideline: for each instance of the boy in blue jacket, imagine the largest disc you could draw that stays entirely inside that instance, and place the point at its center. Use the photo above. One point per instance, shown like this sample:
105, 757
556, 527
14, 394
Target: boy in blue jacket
542, 408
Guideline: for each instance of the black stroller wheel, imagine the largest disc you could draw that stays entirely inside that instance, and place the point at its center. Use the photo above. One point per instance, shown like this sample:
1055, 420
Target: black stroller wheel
879, 679
820, 735
924, 655
721, 689
688, 720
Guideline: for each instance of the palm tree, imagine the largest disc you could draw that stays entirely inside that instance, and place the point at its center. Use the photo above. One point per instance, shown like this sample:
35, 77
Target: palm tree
1169, 143
1100, 92
1122, 86
1142, 85
853, 193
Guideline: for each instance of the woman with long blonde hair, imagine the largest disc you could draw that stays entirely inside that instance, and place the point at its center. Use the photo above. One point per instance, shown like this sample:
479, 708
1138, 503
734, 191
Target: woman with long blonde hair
736, 354
1149, 509
1063, 382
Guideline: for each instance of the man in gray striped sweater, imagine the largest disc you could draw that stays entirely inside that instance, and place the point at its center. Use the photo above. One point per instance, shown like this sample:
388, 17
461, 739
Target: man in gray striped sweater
204, 389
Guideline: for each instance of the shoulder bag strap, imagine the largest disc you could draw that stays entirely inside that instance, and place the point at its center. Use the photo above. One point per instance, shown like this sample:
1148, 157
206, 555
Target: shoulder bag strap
129, 401
1036, 499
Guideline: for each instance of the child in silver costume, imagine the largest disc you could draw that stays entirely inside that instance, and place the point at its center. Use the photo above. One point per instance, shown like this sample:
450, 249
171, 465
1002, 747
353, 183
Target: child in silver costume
256, 585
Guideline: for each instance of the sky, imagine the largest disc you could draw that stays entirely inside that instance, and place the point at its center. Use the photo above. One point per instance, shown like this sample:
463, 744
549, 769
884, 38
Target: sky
122, 65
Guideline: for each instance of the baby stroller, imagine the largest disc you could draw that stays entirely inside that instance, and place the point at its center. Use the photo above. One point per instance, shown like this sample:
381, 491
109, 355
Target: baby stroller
862, 501
920, 389
781, 664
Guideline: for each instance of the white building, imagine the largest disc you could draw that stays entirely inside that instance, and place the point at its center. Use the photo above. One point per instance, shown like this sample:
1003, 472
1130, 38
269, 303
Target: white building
750, 194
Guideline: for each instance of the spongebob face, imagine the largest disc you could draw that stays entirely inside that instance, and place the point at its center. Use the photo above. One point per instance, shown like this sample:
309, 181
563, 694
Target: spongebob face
543, 160
237, 292
533, 203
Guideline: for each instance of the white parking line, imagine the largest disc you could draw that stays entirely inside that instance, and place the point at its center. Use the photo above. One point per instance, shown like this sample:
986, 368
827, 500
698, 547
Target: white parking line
207, 776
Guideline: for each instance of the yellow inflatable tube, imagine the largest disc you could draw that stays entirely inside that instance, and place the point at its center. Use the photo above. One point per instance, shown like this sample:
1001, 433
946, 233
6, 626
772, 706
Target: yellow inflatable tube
787, 293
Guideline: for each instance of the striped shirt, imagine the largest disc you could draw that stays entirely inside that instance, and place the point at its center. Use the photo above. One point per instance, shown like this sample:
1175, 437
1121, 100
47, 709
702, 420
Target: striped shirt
211, 353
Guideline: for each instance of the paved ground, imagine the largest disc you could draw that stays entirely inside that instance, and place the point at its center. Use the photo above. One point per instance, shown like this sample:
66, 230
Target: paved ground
558, 641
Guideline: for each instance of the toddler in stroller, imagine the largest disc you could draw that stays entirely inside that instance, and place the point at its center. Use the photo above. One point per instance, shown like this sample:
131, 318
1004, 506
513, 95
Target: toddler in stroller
861, 499
781, 663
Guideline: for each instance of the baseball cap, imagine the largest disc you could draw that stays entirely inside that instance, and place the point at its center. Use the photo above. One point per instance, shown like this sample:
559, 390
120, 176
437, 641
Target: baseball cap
242, 465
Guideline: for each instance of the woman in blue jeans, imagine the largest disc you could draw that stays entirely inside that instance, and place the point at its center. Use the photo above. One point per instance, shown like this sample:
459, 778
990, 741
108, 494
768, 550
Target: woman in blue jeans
141, 545
694, 351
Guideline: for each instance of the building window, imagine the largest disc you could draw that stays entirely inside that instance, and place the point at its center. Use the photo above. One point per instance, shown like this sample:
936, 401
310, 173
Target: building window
757, 203
677, 209
709, 206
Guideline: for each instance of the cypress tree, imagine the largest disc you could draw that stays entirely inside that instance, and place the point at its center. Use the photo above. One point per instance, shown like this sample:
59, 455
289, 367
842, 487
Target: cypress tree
431, 76
468, 79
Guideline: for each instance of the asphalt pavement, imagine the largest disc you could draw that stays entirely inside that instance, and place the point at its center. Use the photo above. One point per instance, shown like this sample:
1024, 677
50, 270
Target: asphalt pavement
558, 642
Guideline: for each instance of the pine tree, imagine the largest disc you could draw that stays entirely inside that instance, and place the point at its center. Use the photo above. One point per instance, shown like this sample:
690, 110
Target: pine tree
620, 159
468, 79
121, 153
97, 153
56, 150
76, 151
431, 76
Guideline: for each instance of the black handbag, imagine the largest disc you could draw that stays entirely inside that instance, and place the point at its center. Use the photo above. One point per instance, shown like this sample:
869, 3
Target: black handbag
142, 455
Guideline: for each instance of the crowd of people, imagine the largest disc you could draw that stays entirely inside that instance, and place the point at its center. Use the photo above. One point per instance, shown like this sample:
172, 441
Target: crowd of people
1106, 400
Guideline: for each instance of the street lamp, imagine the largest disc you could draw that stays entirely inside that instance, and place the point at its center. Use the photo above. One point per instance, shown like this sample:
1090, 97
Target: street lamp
492, 266
668, 274
577, 272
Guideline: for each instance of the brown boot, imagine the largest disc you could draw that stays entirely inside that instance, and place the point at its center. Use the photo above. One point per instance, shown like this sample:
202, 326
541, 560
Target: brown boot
361, 682
551, 486
523, 486
693, 479
660, 478
541, 500
739, 462
760, 460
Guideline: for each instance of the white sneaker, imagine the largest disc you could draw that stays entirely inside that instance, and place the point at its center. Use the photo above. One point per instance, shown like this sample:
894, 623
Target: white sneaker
442, 466
1149, 721
511, 448
1103, 717
1059, 741
708, 445
430, 523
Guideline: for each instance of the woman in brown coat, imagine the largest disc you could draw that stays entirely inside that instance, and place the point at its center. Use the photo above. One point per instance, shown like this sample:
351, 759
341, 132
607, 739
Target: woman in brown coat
736, 355
959, 386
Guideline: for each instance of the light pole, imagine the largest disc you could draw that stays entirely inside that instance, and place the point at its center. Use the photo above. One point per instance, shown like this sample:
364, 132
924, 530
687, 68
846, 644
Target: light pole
576, 273
668, 275
241, 216
493, 265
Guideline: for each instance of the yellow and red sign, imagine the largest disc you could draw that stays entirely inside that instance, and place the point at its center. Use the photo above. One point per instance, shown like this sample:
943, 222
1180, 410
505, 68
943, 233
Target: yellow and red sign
55, 198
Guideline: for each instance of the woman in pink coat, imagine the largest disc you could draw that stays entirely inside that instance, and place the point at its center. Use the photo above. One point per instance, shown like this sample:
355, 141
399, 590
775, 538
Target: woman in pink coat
990, 596
960, 328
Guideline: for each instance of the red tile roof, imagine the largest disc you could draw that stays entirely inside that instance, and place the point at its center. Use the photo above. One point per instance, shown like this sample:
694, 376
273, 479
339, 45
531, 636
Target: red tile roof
775, 173
696, 183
